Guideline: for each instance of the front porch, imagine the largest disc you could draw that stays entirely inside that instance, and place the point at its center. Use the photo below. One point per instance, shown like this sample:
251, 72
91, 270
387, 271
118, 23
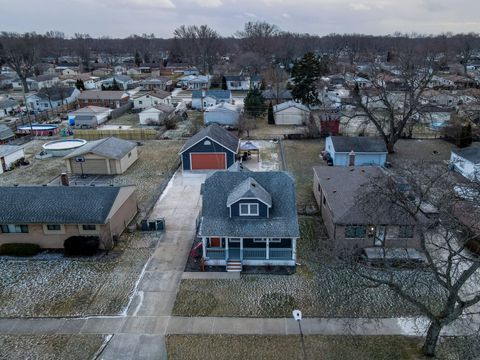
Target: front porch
250, 251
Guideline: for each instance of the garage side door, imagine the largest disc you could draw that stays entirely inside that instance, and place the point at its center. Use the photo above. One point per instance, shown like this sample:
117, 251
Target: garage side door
216, 161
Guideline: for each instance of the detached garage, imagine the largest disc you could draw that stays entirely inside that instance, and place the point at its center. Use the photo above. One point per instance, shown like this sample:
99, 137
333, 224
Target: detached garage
110, 156
213, 148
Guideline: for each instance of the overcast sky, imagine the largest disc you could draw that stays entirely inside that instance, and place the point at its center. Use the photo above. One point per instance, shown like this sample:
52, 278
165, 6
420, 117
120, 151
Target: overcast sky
120, 18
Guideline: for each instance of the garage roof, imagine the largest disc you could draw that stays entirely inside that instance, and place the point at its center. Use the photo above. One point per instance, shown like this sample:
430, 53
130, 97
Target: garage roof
112, 148
216, 133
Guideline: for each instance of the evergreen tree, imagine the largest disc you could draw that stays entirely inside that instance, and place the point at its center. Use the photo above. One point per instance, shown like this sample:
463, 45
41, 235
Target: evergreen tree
79, 84
254, 103
271, 118
138, 58
224, 83
306, 73
114, 85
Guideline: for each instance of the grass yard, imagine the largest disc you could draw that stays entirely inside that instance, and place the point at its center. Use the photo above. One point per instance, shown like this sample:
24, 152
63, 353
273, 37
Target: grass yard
192, 347
58, 286
317, 287
301, 156
126, 119
264, 130
51, 347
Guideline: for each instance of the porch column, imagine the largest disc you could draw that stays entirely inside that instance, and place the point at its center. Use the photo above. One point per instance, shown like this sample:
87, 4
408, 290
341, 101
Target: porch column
108, 167
294, 249
241, 249
267, 251
226, 248
204, 247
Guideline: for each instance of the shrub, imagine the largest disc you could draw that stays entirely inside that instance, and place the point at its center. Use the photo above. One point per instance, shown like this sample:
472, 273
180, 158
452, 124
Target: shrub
19, 249
81, 245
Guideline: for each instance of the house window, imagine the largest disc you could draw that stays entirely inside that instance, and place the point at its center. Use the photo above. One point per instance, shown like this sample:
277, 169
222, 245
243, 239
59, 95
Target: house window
248, 209
89, 227
405, 231
54, 227
12, 228
140, 102
355, 231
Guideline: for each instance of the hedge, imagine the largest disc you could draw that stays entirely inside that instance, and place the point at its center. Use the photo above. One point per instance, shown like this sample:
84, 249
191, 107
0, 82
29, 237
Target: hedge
19, 249
81, 245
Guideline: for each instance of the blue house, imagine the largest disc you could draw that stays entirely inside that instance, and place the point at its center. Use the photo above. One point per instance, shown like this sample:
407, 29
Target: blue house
356, 150
212, 148
249, 219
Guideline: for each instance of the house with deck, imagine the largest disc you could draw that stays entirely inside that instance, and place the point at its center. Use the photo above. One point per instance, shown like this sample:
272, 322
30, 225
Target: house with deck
356, 150
249, 219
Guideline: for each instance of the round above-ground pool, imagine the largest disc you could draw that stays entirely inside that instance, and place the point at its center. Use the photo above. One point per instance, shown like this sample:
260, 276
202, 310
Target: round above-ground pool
38, 129
62, 147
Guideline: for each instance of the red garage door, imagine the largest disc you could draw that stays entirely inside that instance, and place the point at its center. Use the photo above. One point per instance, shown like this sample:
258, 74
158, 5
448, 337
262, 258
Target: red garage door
208, 161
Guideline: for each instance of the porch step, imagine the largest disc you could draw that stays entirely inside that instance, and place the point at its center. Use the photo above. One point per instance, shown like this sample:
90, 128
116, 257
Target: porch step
234, 266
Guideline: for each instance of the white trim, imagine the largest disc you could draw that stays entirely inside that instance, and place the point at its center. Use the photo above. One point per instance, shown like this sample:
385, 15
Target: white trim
249, 212
225, 156
249, 198
52, 232
206, 136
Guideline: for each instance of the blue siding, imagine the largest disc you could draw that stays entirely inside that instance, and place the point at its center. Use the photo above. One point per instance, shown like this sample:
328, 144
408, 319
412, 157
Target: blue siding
262, 208
214, 147
342, 159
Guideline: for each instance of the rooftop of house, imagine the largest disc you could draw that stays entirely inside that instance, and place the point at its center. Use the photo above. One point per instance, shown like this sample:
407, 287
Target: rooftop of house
44, 77
8, 149
161, 107
111, 147
217, 94
5, 132
275, 187
359, 144
55, 93
6, 103
90, 110
57, 204
289, 104
160, 94
347, 191
272, 95
471, 153
223, 106
102, 95
243, 78
217, 134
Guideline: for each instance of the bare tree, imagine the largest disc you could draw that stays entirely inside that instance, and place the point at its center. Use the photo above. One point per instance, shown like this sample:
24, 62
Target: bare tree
389, 110
257, 37
82, 49
245, 124
20, 53
446, 289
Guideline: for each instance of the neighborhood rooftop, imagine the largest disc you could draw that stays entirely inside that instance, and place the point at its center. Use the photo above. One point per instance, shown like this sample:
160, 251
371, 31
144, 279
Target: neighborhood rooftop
358, 144
471, 154
111, 147
217, 134
8, 149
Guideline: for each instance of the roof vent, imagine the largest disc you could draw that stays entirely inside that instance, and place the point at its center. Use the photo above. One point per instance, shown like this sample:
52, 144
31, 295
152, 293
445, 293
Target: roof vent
253, 184
334, 191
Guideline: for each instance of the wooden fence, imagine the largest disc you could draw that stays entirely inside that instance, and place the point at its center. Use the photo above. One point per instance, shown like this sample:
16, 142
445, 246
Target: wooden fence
127, 134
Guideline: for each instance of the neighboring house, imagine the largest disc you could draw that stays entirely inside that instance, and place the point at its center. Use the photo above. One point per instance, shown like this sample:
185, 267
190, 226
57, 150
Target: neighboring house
159, 83
356, 150
193, 82
52, 98
89, 82
144, 100
290, 113
101, 72
90, 116
64, 70
245, 83
277, 97
8, 107
134, 71
106, 98
202, 99
249, 219
8, 155
466, 161
212, 148
6, 134
122, 81
339, 195
109, 156
222, 114
43, 81
48, 215
156, 115
5, 81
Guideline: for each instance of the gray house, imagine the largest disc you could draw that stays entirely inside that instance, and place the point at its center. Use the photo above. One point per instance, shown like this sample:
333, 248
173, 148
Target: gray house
249, 218
356, 150
222, 114
90, 116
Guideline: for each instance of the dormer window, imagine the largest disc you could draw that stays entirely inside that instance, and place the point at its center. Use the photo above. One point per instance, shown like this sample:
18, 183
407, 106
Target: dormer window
207, 143
248, 209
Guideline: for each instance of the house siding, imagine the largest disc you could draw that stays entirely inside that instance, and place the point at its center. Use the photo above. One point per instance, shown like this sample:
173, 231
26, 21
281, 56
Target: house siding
262, 209
221, 117
291, 116
214, 147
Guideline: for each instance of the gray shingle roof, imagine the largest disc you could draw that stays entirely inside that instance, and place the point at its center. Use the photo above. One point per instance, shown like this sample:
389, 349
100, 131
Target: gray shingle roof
216, 219
343, 187
217, 134
8, 149
217, 94
102, 95
249, 188
7, 103
471, 153
358, 144
112, 148
5, 132
238, 166
56, 204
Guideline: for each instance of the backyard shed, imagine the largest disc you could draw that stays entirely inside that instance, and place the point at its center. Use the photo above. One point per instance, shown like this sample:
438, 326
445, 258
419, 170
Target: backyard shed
8, 155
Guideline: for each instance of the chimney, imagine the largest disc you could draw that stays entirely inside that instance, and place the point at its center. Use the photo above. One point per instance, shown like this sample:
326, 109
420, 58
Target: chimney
64, 179
351, 158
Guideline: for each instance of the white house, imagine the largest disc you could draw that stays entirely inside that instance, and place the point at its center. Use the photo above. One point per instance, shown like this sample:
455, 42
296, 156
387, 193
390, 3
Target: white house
240, 82
222, 114
90, 116
7, 106
290, 113
123, 81
44, 100
203, 99
193, 82
356, 150
8, 155
64, 70
156, 115
144, 100
467, 162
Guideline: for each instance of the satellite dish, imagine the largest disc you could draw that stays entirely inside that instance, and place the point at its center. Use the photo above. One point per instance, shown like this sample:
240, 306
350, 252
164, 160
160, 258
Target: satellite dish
297, 315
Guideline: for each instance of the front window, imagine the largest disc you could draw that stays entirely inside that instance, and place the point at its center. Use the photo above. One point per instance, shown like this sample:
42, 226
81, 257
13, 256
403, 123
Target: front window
12, 229
405, 232
355, 231
89, 227
248, 209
